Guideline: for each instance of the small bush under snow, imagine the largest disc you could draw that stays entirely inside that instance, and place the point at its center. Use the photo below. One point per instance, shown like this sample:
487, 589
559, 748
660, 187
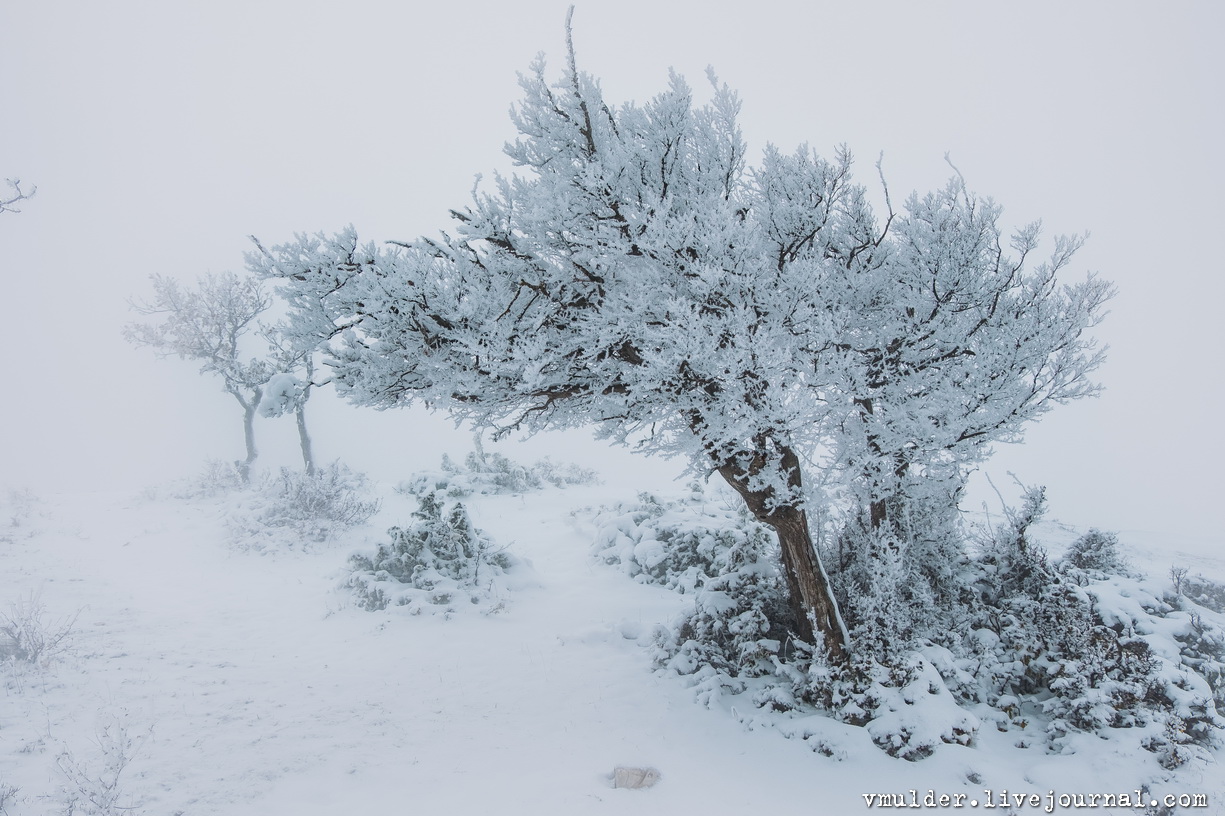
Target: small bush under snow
29, 638
216, 478
18, 510
1203, 592
292, 509
1001, 637
94, 784
679, 543
1096, 551
702, 546
437, 564
492, 474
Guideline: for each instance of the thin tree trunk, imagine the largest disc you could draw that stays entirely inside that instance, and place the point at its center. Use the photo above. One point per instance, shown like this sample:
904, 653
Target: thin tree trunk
812, 600
304, 438
248, 431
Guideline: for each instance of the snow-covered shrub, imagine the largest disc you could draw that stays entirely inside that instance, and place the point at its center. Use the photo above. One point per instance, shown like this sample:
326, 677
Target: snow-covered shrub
1203, 591
909, 704
433, 564
700, 545
28, 638
886, 601
293, 508
1063, 637
1097, 551
216, 478
1090, 650
901, 582
1203, 651
738, 624
997, 634
17, 511
8, 796
1009, 563
680, 543
1097, 677
494, 474
909, 712
332, 495
92, 785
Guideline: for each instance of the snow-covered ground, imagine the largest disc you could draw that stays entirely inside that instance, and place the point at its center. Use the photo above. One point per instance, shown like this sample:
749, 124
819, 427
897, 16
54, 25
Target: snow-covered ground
247, 683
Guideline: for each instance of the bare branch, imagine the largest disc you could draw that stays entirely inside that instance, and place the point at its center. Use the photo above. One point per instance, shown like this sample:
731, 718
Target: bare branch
18, 195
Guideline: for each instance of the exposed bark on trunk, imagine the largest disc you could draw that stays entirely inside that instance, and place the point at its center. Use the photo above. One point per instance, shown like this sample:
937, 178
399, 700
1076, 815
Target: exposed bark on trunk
878, 514
812, 601
878, 508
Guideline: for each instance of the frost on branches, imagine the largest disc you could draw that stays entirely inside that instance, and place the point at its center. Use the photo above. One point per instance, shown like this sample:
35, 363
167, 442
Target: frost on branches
639, 276
433, 565
208, 323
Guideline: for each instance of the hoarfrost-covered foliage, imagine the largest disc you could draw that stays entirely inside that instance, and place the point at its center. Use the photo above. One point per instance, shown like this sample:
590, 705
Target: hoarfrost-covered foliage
436, 565
701, 546
213, 323
285, 392
679, 543
94, 785
1048, 650
639, 276
1096, 550
282, 394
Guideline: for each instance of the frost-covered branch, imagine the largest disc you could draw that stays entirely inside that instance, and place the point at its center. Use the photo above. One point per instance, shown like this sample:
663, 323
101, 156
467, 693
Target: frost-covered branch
208, 324
16, 196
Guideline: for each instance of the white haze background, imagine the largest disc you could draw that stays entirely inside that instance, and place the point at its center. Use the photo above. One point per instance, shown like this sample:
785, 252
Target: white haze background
160, 135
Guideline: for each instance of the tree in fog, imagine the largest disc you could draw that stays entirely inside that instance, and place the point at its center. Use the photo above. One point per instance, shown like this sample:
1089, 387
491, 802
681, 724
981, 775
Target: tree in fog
952, 339
208, 323
287, 390
639, 277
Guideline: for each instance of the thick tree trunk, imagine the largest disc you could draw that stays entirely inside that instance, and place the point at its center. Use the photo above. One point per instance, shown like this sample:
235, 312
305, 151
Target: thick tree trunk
812, 601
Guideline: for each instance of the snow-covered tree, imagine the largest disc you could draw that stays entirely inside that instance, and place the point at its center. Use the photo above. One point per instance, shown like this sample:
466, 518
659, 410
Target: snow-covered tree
638, 277
949, 344
207, 323
287, 392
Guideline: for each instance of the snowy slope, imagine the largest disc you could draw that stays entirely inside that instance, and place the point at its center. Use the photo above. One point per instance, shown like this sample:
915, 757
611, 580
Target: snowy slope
254, 687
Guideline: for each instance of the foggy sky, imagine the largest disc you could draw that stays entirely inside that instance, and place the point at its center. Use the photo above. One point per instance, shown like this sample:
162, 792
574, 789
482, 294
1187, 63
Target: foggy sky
161, 134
